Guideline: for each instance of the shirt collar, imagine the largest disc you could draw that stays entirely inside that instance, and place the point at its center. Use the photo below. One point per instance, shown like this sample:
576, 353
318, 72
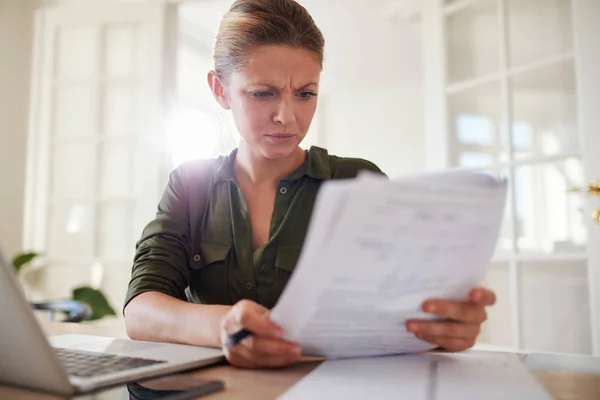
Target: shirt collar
316, 166
317, 163
224, 169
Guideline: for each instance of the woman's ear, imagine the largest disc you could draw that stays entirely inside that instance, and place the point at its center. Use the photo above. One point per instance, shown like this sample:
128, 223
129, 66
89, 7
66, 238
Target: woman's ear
218, 89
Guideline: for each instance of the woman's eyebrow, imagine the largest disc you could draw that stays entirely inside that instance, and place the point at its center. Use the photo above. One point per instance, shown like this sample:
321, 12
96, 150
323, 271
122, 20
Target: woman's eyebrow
272, 87
308, 85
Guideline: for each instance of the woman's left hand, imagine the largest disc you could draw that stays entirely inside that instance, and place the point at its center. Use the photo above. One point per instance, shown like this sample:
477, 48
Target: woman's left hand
462, 320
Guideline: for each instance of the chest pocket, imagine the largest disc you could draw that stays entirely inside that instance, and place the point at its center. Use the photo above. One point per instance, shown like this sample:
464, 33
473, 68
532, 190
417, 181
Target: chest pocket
210, 273
213, 253
285, 263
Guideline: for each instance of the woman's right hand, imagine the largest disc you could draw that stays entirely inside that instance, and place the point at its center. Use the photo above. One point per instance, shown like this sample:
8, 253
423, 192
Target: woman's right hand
265, 347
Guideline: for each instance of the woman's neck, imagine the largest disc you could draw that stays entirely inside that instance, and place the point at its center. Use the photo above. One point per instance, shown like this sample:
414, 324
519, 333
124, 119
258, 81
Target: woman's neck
256, 169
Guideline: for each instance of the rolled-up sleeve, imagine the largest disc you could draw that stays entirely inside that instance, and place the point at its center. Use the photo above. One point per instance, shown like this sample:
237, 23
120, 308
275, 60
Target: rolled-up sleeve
162, 253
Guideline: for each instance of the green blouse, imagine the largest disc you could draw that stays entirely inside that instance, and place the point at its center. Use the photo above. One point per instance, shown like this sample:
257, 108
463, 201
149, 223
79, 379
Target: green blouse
199, 246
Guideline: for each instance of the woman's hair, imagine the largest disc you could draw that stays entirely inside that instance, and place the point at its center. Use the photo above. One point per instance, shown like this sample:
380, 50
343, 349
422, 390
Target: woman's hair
252, 23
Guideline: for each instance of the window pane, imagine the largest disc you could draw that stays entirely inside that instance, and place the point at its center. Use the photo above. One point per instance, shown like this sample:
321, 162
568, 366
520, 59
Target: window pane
115, 238
472, 41
120, 111
191, 84
73, 170
116, 169
550, 219
545, 111
538, 29
121, 46
474, 117
555, 306
469, 159
70, 235
497, 330
77, 53
505, 243
75, 111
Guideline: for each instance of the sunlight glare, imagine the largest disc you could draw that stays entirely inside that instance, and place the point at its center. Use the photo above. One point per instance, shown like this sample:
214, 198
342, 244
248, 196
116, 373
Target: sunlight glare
192, 134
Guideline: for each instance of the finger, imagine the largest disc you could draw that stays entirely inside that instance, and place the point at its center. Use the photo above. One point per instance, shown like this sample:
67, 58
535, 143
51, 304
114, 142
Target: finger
482, 296
252, 316
263, 360
446, 329
450, 344
236, 359
270, 347
456, 310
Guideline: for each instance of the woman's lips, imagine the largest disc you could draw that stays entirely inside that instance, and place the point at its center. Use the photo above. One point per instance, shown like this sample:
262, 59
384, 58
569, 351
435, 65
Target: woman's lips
281, 137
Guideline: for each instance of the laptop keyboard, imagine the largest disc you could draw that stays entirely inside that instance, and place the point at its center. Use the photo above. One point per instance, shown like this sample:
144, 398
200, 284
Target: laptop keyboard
87, 364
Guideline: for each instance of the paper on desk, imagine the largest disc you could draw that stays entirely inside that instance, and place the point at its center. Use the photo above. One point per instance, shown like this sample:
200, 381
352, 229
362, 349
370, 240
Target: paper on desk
376, 249
431, 376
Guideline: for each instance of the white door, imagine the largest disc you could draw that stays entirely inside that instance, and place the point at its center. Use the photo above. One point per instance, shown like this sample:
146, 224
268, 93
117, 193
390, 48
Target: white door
512, 87
96, 141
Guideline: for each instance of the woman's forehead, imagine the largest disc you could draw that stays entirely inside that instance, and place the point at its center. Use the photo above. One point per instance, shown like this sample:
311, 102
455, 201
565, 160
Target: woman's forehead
281, 63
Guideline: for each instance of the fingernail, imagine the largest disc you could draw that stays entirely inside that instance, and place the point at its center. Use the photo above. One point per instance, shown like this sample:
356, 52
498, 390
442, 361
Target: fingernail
430, 308
293, 349
477, 295
412, 327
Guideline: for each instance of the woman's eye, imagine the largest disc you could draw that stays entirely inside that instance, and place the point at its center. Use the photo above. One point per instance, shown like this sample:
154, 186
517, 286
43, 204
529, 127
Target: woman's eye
261, 95
306, 95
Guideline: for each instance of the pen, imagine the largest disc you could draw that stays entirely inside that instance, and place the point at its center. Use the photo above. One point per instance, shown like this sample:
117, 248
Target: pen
237, 337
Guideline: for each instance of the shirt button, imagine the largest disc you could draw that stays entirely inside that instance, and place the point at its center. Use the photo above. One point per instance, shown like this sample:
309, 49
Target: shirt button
283, 190
248, 286
196, 258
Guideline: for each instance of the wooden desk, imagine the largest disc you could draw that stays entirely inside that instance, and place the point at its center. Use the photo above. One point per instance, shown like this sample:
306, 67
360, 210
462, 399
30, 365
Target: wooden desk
562, 383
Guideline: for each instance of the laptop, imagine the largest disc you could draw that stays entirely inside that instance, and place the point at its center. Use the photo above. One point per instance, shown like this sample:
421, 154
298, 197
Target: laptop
70, 364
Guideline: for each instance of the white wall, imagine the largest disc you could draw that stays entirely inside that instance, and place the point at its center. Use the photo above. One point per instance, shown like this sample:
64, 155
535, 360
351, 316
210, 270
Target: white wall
16, 29
371, 102
381, 124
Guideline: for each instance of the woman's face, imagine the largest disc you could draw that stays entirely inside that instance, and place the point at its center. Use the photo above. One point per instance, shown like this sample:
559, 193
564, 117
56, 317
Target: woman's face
273, 98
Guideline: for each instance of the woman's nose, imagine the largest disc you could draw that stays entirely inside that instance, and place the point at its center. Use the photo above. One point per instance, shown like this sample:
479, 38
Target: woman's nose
285, 112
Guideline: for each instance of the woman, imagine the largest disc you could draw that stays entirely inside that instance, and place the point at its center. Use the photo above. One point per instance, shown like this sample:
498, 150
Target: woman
228, 232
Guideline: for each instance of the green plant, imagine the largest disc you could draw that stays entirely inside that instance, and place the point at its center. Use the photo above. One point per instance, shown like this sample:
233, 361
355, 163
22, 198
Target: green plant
93, 297
23, 259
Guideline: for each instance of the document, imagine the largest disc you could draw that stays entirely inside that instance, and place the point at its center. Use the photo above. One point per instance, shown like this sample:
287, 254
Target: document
432, 376
376, 249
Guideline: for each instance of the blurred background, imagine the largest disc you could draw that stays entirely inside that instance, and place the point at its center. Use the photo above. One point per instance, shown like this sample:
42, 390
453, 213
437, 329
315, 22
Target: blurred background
99, 100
